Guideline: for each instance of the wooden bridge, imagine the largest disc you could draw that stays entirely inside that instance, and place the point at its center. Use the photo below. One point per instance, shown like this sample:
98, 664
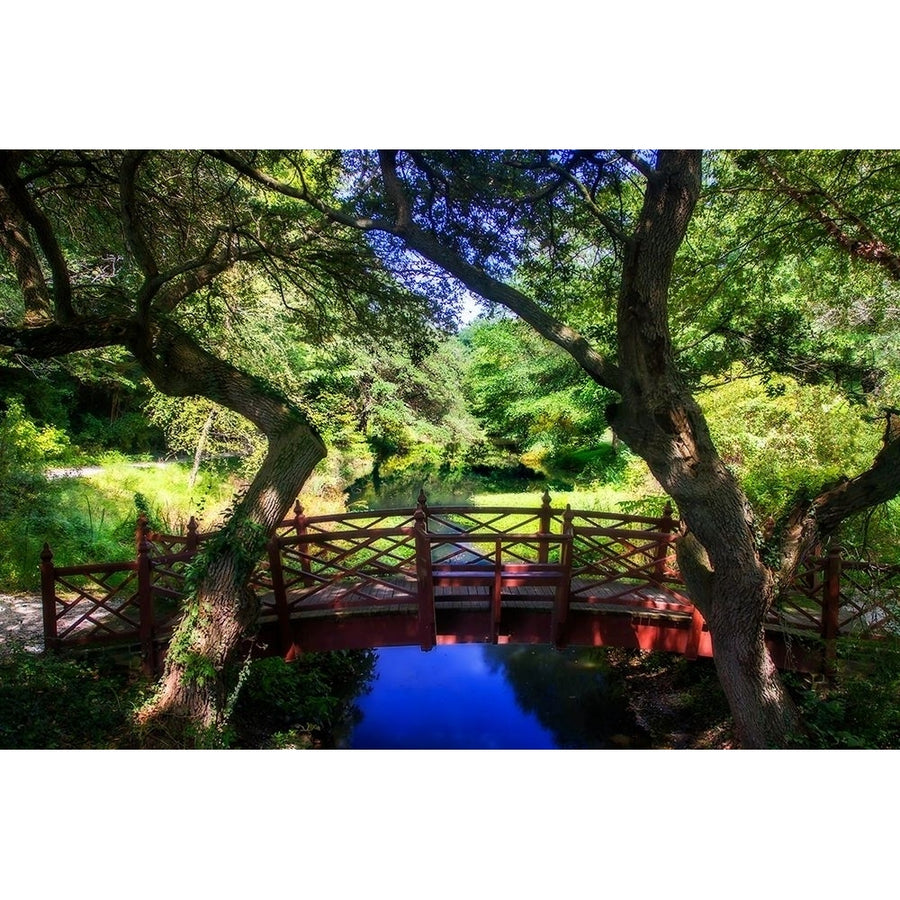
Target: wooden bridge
443, 575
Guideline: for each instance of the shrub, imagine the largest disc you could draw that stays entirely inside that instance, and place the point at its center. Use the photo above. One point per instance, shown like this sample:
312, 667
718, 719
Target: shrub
50, 702
303, 702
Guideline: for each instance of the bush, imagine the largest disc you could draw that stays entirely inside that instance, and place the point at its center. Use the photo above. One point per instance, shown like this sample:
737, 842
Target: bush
859, 709
303, 703
50, 702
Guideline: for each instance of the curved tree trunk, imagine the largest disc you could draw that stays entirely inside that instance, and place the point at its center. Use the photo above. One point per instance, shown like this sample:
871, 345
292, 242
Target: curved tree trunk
222, 613
223, 609
660, 421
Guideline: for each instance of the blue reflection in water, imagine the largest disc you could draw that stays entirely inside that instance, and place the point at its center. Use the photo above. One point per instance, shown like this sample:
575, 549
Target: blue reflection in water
451, 698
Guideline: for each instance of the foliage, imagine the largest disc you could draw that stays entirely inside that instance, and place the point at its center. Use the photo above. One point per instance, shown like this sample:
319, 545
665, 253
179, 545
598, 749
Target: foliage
55, 702
50, 702
760, 287
782, 437
26, 450
860, 707
183, 420
93, 518
527, 393
384, 402
302, 703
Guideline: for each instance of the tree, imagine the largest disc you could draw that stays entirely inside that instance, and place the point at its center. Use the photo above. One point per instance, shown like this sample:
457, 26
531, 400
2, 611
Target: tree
530, 396
624, 214
151, 252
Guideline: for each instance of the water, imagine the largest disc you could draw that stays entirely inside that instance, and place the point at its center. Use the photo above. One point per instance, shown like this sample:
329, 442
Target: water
480, 697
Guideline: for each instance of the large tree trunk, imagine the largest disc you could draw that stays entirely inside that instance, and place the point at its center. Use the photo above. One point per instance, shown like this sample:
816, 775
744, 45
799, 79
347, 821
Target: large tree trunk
191, 694
660, 420
220, 614
734, 597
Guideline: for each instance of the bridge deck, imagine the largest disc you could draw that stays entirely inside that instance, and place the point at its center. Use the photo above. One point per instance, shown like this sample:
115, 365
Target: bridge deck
363, 597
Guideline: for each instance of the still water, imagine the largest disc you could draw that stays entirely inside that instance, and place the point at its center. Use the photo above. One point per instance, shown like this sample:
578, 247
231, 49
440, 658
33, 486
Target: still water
478, 697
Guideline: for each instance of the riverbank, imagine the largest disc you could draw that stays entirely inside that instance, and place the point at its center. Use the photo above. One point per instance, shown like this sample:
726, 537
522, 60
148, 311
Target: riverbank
678, 702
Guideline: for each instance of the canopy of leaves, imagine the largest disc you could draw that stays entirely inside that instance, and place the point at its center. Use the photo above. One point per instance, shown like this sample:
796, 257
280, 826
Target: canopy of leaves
528, 393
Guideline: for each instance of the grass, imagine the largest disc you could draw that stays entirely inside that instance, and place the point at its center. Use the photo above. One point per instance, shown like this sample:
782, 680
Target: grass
607, 498
92, 519
171, 501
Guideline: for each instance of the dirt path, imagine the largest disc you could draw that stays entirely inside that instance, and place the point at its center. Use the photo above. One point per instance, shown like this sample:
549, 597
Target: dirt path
21, 621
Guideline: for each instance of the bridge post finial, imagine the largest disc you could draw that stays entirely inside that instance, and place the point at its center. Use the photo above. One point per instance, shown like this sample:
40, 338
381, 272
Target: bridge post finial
422, 504
140, 532
192, 538
544, 519
48, 597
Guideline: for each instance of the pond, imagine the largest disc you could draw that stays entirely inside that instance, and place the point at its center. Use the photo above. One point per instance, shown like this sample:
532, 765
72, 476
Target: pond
482, 696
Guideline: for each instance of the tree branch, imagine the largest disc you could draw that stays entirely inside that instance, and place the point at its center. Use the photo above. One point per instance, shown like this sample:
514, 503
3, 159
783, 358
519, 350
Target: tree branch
597, 366
641, 165
19, 196
55, 339
812, 522
15, 241
609, 224
866, 245
394, 190
273, 184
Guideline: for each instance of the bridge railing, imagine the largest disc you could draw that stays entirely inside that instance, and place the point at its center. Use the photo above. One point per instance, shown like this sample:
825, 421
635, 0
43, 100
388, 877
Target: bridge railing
136, 601
373, 556
333, 558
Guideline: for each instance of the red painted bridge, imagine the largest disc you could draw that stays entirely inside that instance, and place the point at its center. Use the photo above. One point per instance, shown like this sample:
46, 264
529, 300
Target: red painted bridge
444, 575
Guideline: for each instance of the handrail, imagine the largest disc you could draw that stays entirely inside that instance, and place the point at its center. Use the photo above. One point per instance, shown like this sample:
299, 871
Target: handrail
321, 536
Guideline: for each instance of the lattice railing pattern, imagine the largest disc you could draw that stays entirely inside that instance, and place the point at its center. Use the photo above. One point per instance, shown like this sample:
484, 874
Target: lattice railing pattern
869, 600
352, 521
481, 548
375, 564
800, 607
370, 557
613, 561
478, 528
95, 603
